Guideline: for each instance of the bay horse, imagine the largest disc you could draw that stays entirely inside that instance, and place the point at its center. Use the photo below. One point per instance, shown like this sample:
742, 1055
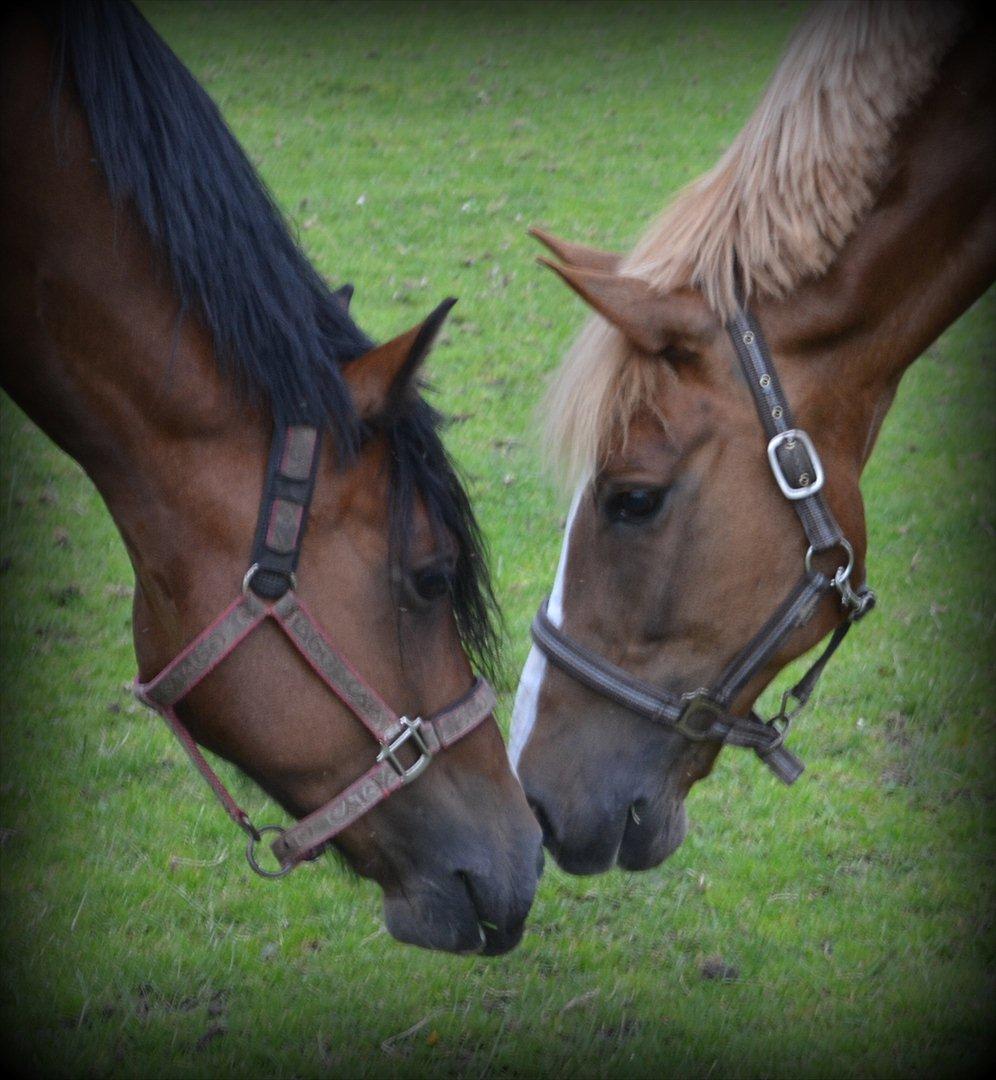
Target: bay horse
161, 325
775, 305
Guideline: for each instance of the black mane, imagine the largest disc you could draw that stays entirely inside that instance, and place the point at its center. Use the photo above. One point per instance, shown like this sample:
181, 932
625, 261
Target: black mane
279, 333
165, 150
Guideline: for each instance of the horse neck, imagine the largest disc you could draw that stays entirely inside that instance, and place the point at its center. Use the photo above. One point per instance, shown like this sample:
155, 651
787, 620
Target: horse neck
924, 254
98, 355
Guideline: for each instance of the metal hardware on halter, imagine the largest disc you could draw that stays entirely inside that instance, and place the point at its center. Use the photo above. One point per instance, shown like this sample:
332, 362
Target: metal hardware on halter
785, 715
254, 569
699, 713
251, 852
857, 601
843, 574
788, 439
409, 730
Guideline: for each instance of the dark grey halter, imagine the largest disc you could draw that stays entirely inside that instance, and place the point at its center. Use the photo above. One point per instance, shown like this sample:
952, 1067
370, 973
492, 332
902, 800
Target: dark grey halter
704, 715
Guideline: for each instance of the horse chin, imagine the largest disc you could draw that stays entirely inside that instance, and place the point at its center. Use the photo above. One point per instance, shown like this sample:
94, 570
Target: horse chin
640, 841
633, 820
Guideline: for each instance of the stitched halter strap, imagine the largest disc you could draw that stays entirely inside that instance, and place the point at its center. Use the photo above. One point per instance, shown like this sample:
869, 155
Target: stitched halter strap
268, 594
704, 715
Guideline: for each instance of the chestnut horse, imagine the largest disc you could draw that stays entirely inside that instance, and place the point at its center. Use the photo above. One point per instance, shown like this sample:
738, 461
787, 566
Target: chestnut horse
850, 222
162, 327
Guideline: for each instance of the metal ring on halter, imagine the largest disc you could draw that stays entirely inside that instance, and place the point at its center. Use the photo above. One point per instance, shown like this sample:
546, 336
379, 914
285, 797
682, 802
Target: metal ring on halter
251, 573
843, 572
251, 853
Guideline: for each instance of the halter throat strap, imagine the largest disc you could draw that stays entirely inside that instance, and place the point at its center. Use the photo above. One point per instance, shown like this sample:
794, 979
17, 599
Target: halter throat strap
704, 715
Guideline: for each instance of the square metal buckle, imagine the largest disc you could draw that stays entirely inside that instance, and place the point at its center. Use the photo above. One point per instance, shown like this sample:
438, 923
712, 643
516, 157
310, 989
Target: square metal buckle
787, 438
698, 714
409, 730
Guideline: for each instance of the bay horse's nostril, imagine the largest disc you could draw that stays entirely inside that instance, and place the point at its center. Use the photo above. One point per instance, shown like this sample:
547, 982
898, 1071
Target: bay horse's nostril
549, 834
500, 925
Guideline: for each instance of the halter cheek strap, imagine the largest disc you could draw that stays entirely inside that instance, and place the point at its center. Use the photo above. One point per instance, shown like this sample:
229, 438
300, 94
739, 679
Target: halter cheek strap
704, 715
268, 594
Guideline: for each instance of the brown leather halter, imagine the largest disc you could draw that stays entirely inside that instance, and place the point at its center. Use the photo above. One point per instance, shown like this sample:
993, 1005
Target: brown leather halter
268, 592
704, 715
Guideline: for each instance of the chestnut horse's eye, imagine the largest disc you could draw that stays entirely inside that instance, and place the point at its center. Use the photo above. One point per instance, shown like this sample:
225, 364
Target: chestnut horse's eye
431, 583
636, 506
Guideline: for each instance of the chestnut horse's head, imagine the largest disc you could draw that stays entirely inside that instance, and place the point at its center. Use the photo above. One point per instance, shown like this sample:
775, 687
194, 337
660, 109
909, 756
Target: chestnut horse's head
798, 278
679, 549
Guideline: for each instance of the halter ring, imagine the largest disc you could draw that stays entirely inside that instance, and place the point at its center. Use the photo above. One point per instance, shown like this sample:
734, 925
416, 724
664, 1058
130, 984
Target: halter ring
251, 853
843, 572
251, 573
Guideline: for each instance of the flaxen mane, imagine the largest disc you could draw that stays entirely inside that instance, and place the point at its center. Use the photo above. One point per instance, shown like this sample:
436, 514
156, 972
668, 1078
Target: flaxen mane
779, 204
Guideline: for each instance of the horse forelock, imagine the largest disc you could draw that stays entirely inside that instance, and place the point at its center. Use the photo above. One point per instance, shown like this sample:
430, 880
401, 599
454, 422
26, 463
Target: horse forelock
421, 467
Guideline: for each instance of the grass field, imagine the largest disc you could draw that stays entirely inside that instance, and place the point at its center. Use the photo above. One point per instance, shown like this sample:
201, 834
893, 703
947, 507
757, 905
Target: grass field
412, 145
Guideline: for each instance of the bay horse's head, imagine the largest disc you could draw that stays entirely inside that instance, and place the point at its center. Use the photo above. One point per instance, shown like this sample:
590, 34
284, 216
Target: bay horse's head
390, 588
679, 548
168, 332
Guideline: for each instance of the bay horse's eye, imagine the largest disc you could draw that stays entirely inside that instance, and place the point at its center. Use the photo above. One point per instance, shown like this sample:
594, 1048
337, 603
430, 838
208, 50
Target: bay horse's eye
432, 583
636, 506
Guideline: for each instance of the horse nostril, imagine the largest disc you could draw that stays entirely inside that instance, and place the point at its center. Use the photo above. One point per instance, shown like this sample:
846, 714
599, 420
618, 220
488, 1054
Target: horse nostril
549, 835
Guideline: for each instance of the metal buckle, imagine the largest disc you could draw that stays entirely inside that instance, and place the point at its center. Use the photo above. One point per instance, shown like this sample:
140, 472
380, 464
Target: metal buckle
698, 713
409, 730
787, 438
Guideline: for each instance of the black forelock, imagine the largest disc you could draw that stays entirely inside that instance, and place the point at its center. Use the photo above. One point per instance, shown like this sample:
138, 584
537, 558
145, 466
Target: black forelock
421, 466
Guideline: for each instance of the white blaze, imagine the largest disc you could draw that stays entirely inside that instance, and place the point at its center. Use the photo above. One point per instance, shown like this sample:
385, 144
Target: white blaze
533, 674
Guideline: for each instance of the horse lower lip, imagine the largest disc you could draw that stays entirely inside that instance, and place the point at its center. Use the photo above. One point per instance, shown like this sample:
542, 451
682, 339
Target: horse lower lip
497, 936
648, 839
497, 940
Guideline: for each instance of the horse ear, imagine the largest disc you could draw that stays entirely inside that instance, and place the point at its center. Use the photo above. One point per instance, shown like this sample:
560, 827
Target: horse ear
577, 254
651, 320
380, 379
344, 294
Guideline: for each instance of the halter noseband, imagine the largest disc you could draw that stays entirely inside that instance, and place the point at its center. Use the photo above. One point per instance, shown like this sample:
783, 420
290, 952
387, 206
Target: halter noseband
704, 715
268, 592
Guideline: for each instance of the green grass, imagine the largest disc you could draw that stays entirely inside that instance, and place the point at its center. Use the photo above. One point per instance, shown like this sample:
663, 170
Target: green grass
856, 907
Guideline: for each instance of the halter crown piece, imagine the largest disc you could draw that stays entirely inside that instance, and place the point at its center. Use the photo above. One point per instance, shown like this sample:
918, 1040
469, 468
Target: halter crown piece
704, 715
268, 592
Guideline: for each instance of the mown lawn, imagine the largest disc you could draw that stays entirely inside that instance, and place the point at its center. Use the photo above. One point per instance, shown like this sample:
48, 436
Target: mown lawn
412, 144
